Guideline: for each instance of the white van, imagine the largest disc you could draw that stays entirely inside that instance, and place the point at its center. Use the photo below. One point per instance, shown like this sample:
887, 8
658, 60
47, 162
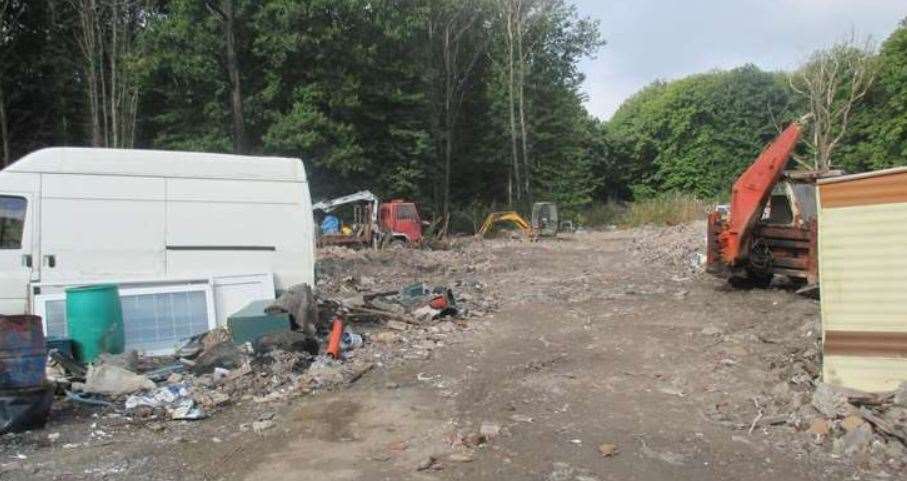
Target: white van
82, 214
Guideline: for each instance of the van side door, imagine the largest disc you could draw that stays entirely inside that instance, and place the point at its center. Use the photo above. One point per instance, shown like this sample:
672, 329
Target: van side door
18, 265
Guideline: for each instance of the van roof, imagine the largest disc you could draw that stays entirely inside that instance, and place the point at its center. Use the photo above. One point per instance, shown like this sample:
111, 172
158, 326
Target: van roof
159, 163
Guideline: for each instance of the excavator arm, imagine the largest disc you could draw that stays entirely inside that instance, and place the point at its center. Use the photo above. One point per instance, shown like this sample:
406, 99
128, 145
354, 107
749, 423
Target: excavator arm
506, 216
749, 195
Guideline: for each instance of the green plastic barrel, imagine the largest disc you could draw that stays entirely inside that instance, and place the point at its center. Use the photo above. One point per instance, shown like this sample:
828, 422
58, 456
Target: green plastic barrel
95, 320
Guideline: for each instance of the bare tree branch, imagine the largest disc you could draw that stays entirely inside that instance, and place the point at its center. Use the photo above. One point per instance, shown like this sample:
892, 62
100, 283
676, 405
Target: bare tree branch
833, 82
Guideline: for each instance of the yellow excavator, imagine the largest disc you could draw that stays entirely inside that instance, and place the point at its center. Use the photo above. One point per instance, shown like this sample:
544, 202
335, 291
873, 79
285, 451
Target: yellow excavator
510, 216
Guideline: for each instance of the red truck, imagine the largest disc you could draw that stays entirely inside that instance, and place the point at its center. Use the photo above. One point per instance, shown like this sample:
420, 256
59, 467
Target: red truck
400, 221
369, 222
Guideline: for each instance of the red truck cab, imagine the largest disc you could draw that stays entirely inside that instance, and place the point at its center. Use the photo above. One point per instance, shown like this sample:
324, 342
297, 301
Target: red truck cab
400, 220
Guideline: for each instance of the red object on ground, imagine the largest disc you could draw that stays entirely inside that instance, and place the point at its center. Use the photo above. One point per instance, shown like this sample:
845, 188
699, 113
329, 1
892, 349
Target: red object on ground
751, 191
439, 303
333, 349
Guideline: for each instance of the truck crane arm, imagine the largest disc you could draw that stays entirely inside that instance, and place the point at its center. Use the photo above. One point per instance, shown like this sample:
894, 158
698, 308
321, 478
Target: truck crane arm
750, 193
331, 204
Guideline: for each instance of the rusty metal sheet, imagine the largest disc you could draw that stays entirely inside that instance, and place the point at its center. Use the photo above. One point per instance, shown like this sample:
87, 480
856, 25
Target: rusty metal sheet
790, 233
884, 189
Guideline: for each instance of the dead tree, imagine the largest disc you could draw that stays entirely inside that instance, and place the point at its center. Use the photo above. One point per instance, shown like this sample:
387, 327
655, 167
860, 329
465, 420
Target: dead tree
225, 10
833, 82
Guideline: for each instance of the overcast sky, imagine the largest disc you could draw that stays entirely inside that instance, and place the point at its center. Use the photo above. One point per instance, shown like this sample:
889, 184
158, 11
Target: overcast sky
663, 39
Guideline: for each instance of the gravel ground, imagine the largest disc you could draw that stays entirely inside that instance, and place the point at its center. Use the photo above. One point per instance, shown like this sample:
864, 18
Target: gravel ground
593, 356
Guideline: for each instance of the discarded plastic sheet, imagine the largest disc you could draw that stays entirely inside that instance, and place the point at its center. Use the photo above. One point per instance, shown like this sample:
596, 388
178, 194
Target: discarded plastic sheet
113, 381
186, 409
159, 397
85, 399
173, 398
163, 373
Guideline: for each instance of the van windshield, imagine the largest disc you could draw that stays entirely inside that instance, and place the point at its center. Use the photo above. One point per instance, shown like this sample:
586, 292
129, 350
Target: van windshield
12, 221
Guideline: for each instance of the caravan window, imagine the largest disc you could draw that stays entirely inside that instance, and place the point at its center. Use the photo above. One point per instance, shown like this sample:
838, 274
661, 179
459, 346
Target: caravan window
12, 221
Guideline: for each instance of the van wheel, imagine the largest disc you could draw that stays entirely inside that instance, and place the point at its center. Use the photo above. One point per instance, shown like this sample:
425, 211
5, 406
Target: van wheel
398, 243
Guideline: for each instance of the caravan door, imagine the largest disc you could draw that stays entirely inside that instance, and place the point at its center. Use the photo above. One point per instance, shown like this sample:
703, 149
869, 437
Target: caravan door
18, 265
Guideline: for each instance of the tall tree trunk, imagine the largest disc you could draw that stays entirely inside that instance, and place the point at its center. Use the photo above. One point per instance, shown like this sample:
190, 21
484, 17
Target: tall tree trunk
452, 88
448, 122
93, 105
521, 83
114, 53
514, 157
87, 40
4, 132
101, 45
236, 101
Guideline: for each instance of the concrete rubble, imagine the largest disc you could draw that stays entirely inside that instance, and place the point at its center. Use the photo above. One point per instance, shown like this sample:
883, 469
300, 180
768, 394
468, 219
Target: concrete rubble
680, 248
387, 321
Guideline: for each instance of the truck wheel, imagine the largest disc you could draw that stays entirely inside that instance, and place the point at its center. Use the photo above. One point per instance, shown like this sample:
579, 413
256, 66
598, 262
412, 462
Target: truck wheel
753, 279
397, 244
761, 280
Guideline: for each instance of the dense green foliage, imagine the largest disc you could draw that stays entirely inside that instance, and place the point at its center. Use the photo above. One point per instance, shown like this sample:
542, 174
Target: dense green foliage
40, 90
329, 81
694, 134
459, 104
877, 136
698, 133
403, 97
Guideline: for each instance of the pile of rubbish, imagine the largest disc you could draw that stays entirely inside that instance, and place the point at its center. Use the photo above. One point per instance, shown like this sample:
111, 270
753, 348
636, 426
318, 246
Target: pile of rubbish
868, 429
679, 247
223, 367
414, 303
208, 373
355, 280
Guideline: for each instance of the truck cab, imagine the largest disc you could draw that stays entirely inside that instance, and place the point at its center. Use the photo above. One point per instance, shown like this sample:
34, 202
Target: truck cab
400, 221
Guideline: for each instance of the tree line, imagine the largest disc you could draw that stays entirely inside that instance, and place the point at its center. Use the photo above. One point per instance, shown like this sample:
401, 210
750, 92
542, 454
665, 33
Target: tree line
461, 105
450, 102
696, 134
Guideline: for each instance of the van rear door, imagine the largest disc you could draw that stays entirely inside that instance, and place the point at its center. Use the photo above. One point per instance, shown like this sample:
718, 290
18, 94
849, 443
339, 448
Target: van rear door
18, 265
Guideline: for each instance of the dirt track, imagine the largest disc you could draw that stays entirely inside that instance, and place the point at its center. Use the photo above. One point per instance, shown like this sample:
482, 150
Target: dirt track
591, 345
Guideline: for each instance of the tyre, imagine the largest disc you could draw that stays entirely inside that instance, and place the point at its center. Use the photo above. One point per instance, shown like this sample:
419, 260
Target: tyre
752, 279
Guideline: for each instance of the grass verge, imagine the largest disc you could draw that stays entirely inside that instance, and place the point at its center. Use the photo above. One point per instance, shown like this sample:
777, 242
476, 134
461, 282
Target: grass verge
672, 208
